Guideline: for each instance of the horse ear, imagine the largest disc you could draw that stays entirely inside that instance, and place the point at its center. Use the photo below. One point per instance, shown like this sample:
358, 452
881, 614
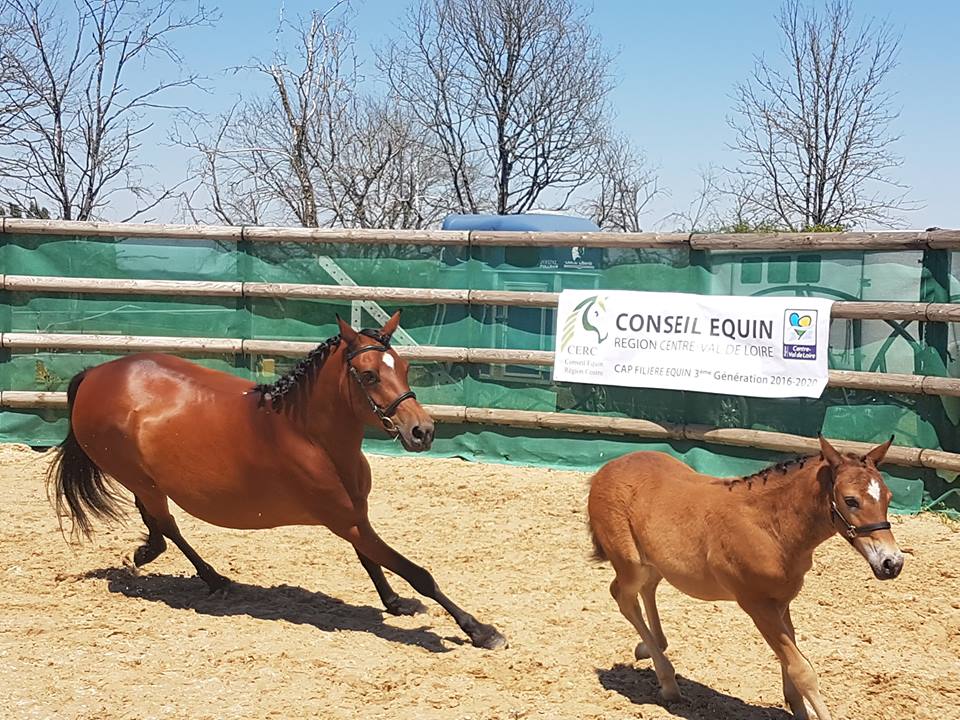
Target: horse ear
830, 453
346, 332
877, 454
392, 324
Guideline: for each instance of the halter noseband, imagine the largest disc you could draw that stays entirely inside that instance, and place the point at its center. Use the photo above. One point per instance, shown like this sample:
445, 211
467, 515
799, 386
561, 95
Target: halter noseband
851, 531
384, 414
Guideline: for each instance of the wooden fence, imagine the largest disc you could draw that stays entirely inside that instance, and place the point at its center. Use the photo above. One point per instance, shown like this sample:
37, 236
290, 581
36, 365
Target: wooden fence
772, 242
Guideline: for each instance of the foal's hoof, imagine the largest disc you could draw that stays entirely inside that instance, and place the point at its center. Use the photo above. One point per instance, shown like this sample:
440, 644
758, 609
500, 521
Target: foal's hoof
405, 606
641, 652
487, 637
671, 694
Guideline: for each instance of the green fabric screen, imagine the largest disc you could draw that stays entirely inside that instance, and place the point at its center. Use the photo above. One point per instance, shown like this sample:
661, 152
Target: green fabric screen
878, 346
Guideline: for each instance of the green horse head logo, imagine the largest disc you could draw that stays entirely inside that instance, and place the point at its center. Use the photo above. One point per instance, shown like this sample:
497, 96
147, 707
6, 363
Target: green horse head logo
588, 315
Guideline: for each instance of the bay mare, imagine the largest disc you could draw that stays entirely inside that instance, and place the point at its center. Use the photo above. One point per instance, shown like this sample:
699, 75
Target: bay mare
244, 456
750, 540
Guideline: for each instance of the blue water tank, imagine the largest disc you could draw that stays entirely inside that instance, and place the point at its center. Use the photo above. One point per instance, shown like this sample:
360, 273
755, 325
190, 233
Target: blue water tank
528, 222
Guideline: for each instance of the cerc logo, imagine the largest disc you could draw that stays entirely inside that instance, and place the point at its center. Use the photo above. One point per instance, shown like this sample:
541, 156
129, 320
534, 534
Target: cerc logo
587, 318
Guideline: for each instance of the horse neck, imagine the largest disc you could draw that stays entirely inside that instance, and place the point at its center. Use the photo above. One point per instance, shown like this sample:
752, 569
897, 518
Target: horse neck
329, 418
801, 508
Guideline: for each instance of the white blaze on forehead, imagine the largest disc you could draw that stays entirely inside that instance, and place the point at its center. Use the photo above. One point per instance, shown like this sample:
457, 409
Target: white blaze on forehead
389, 362
873, 490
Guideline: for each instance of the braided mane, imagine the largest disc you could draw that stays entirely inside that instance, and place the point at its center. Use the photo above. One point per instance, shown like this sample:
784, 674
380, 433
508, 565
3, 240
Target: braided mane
780, 468
276, 392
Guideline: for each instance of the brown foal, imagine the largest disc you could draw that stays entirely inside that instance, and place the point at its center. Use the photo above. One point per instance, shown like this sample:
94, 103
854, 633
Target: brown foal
750, 540
244, 456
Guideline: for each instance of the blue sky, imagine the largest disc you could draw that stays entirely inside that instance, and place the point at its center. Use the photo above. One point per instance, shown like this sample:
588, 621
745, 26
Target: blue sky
676, 64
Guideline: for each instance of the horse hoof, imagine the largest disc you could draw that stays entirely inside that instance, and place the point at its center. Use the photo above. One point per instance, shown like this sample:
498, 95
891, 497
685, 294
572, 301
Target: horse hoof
671, 694
218, 585
406, 606
487, 637
640, 652
147, 553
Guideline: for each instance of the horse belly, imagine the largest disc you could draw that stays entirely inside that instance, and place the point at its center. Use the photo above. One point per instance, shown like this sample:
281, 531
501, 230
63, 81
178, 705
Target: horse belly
687, 563
701, 587
241, 493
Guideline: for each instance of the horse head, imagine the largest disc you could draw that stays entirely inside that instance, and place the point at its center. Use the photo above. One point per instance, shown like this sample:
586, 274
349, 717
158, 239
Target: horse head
859, 500
385, 397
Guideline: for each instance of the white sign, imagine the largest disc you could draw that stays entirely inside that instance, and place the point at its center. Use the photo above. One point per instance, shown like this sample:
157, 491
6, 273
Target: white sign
756, 346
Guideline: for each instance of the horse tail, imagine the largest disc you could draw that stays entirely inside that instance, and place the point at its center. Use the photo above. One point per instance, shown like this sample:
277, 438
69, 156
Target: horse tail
81, 489
598, 554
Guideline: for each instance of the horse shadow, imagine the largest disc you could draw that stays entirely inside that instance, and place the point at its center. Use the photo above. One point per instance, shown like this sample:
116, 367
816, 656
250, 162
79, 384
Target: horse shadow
699, 702
281, 602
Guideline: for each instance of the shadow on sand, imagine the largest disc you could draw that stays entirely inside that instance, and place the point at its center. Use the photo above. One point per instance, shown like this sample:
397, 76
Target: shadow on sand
699, 701
281, 602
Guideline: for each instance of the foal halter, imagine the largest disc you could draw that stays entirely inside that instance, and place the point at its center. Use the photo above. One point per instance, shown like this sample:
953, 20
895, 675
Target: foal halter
851, 531
384, 414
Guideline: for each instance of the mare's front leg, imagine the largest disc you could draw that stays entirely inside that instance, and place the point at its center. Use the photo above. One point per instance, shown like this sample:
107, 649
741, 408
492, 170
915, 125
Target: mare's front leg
394, 604
369, 545
770, 617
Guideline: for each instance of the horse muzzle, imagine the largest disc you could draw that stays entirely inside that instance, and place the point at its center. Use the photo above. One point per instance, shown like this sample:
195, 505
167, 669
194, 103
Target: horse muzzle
886, 565
417, 438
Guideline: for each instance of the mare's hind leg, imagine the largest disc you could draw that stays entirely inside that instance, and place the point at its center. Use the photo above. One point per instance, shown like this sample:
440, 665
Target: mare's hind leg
153, 544
368, 544
648, 593
624, 589
158, 511
394, 604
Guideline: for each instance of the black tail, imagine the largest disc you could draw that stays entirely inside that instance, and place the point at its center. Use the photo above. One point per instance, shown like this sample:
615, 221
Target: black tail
81, 490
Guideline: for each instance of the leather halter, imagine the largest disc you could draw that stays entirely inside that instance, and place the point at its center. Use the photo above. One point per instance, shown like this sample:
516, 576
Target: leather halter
851, 531
384, 414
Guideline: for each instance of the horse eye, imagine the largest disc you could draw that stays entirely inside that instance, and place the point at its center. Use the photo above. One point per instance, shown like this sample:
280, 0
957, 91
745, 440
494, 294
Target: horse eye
852, 502
369, 378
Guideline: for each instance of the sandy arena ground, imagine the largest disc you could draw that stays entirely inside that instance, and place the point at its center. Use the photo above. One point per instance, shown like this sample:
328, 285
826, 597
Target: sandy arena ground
302, 633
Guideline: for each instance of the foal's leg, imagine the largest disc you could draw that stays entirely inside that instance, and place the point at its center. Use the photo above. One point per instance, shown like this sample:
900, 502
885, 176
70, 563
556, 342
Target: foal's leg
368, 544
158, 511
154, 544
790, 693
768, 616
648, 593
624, 590
394, 604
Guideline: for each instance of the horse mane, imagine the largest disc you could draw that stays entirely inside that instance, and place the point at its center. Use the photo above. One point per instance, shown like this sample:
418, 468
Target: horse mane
276, 392
780, 469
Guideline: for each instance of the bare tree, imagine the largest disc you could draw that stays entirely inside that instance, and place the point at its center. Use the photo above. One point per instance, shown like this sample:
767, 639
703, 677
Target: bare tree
314, 150
512, 94
78, 116
813, 130
625, 186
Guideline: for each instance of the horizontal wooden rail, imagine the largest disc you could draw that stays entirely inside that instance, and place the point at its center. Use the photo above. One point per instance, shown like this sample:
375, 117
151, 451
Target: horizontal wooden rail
119, 286
122, 343
886, 382
761, 439
892, 311
769, 242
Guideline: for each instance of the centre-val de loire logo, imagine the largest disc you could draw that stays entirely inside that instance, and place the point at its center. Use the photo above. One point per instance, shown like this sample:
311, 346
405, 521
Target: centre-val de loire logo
800, 334
587, 317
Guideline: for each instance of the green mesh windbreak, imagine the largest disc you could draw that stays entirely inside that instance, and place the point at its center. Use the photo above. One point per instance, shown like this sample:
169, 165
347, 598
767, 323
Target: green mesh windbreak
868, 345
